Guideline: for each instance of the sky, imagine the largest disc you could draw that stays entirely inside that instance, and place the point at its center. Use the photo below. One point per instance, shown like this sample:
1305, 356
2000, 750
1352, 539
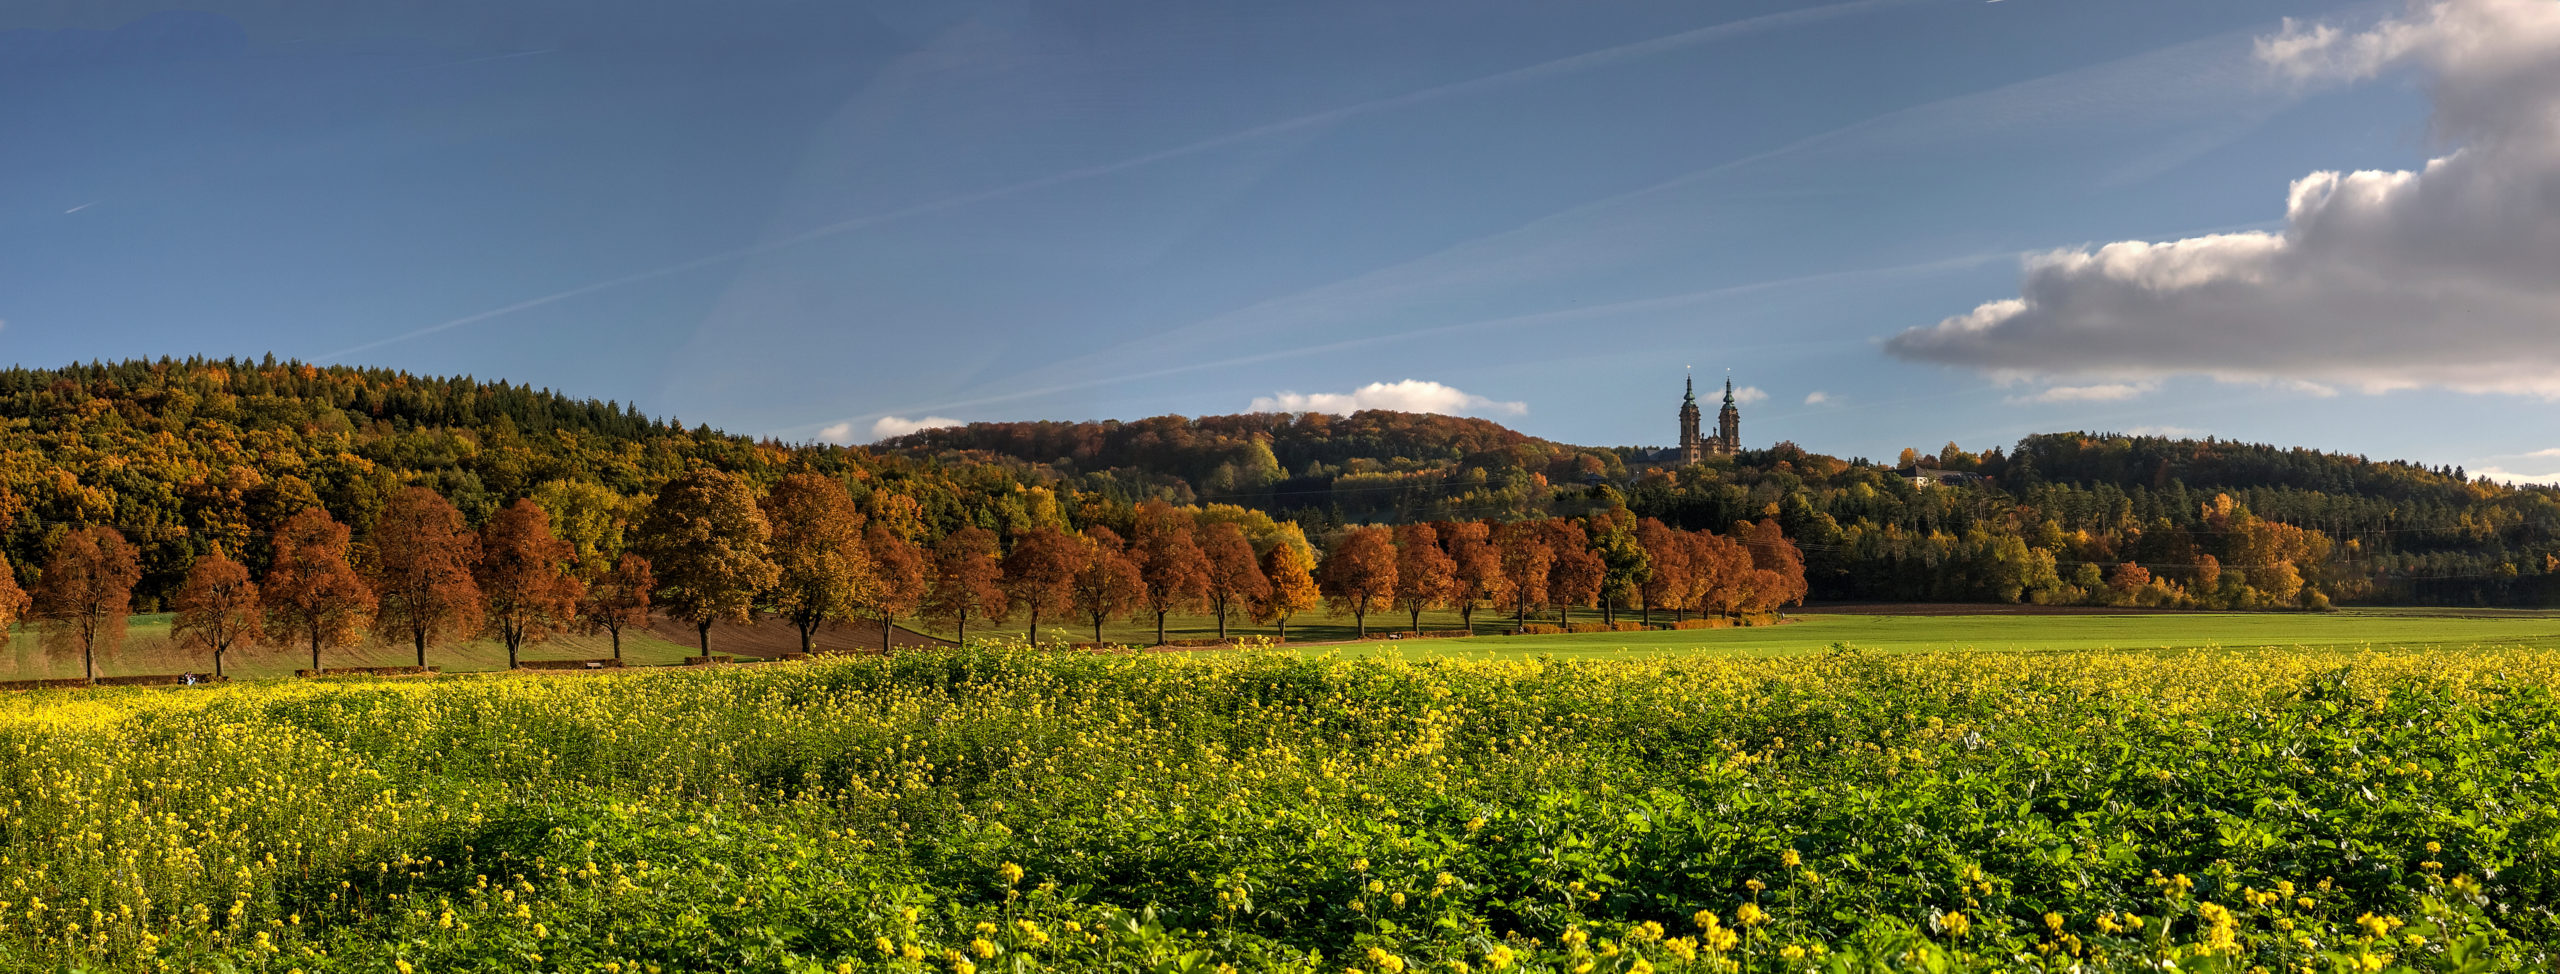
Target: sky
1892, 223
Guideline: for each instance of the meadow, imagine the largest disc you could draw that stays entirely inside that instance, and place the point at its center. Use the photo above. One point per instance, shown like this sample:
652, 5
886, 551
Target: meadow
995, 809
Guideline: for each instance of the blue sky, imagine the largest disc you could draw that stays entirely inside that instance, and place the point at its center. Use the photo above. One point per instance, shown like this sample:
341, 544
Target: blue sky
815, 220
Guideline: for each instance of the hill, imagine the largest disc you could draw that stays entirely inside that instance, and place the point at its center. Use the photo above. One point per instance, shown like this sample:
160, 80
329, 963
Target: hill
183, 455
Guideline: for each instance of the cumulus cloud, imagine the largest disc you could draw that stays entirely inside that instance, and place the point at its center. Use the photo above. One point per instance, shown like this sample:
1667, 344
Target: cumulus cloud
2170, 432
2442, 276
1748, 395
2100, 392
1816, 397
888, 426
2514, 477
1410, 395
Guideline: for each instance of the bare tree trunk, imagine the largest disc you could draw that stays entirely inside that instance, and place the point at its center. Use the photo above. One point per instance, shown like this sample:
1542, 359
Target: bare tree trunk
1417, 620
1360, 623
1222, 622
615, 630
1159, 627
420, 635
702, 633
886, 621
808, 634
315, 649
1035, 627
960, 637
89, 659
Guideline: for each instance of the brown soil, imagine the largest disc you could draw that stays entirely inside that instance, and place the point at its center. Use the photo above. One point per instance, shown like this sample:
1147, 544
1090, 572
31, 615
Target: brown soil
770, 637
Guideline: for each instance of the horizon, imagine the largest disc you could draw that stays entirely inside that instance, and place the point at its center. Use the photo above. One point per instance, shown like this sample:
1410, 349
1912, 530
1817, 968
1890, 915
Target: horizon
1897, 223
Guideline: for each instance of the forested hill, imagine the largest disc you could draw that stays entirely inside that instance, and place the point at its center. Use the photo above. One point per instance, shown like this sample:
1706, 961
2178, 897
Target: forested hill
185, 455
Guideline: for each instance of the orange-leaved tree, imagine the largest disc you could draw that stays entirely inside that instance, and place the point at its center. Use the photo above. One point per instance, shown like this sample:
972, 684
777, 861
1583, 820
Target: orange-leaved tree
87, 591
1172, 572
1525, 561
898, 577
1106, 584
1475, 567
1039, 571
1668, 552
618, 599
968, 572
14, 601
1291, 569
825, 572
1234, 581
1358, 574
706, 541
526, 575
217, 608
421, 573
311, 594
1576, 574
1426, 577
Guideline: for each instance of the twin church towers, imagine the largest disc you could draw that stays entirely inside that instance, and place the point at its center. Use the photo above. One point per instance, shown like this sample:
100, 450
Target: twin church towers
1728, 438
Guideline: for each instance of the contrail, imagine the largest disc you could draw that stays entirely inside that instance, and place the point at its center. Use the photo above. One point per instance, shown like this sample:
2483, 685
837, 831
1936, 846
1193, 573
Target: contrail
1544, 69
80, 207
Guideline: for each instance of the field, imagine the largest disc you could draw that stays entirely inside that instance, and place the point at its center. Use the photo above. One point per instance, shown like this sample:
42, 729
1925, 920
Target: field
1957, 628
992, 809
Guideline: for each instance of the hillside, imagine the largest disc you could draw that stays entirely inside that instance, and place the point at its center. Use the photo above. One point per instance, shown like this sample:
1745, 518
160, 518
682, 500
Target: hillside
185, 455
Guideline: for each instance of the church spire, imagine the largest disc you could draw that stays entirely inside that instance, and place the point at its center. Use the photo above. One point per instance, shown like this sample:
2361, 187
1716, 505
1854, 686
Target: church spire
1728, 390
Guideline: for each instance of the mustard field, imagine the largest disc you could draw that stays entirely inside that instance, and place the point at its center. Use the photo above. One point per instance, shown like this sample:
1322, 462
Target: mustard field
998, 810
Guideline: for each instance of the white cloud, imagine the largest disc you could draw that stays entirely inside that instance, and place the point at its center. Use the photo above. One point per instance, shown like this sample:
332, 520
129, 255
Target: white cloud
2100, 392
1748, 395
2378, 281
888, 426
1816, 397
2170, 432
1410, 395
838, 433
2513, 477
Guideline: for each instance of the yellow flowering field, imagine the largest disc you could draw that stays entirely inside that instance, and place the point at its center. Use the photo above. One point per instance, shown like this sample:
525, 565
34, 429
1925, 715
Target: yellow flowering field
999, 810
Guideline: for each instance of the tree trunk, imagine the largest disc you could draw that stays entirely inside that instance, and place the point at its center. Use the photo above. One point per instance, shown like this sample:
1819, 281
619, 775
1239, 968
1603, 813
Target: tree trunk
315, 649
1284, 629
1609, 612
1467, 617
808, 634
1035, 627
1360, 623
1097, 627
1564, 614
89, 659
1222, 622
960, 636
217, 663
420, 636
1648, 613
1159, 627
886, 622
515, 638
1417, 620
702, 634
616, 631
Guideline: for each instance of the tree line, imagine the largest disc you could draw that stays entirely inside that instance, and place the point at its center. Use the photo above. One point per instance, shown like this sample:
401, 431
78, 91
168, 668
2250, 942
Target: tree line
708, 548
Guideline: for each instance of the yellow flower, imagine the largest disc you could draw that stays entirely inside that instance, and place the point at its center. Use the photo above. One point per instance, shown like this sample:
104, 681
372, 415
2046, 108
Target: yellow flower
1791, 952
1010, 873
1386, 963
1955, 924
1790, 859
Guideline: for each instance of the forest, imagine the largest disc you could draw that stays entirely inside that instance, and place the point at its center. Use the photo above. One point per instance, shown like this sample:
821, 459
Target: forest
184, 457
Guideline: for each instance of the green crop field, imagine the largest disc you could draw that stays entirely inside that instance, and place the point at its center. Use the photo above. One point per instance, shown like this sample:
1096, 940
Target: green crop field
992, 809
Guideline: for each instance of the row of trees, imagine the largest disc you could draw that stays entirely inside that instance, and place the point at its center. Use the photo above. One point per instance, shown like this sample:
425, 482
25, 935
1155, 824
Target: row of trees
708, 549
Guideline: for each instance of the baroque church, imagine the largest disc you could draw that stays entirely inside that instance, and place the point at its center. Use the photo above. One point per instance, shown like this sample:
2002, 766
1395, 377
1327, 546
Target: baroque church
1728, 438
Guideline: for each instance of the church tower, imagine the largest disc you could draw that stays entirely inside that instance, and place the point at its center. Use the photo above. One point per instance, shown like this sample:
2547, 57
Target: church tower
1692, 447
1728, 424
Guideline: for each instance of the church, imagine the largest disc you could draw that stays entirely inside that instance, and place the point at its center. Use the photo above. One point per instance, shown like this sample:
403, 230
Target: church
1728, 438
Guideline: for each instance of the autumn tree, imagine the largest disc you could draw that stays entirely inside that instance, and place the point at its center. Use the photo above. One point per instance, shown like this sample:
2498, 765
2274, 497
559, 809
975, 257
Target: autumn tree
217, 608
825, 572
1107, 585
1233, 580
1475, 567
1291, 574
311, 594
1425, 576
1040, 571
1720, 573
1773, 553
1625, 564
1526, 561
421, 571
1576, 575
86, 592
899, 579
14, 601
1666, 585
968, 573
707, 543
526, 574
1358, 574
618, 599
1171, 568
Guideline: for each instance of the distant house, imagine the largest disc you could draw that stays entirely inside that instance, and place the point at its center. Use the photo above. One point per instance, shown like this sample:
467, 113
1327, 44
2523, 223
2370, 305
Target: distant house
1934, 477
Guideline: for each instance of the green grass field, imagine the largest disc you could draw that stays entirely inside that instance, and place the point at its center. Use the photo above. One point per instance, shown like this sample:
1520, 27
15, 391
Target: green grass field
147, 650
